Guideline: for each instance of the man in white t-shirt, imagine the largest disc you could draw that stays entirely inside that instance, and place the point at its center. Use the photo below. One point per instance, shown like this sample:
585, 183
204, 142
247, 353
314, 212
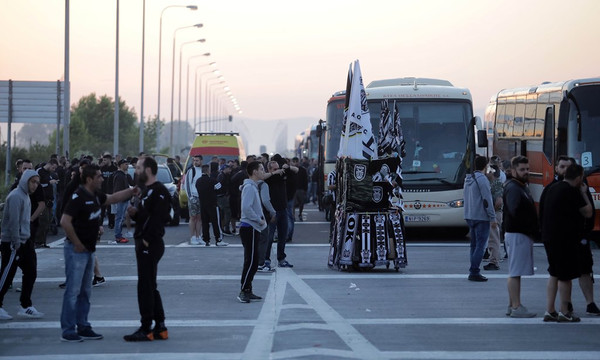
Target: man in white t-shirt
191, 176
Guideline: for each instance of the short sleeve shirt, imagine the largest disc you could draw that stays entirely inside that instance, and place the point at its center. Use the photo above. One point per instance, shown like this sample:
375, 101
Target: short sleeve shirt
85, 209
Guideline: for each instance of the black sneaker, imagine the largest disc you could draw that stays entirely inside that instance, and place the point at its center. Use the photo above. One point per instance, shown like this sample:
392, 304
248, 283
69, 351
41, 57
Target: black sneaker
244, 297
71, 338
491, 266
478, 277
140, 335
89, 334
160, 332
254, 297
98, 280
63, 285
592, 309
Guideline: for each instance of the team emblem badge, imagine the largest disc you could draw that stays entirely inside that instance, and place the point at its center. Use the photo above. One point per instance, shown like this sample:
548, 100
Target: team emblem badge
360, 171
377, 193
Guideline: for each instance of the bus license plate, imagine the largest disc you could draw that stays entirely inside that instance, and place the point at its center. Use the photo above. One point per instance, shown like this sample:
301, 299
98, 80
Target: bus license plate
416, 218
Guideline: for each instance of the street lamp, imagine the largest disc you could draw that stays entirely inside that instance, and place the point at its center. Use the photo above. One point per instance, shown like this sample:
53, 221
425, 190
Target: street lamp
206, 100
198, 97
195, 86
179, 93
191, 7
208, 106
173, 81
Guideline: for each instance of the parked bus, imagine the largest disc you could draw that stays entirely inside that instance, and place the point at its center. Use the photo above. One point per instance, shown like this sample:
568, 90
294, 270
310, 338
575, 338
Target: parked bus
439, 130
545, 121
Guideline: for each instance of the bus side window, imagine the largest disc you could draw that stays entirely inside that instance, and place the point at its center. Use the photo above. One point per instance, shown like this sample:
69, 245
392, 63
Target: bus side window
549, 133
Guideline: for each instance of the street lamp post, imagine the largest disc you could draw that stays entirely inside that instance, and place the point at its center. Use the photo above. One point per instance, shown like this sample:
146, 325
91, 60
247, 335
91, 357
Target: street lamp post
141, 141
209, 111
187, 91
173, 82
116, 117
207, 99
178, 142
218, 77
191, 7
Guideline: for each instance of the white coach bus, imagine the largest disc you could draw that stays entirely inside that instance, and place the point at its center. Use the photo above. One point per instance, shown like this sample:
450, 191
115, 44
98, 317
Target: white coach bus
439, 130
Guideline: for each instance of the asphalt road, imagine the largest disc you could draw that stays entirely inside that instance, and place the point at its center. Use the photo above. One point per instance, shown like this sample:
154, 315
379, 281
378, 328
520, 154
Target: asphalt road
426, 311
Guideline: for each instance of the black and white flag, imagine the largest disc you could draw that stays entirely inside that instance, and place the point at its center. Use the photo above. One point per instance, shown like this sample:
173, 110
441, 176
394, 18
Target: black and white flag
357, 140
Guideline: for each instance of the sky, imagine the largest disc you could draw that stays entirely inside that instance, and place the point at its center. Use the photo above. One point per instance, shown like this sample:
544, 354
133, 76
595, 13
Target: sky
283, 59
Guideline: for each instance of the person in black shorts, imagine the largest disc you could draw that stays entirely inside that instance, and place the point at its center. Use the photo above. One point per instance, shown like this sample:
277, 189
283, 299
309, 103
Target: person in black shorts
565, 206
81, 222
150, 215
586, 261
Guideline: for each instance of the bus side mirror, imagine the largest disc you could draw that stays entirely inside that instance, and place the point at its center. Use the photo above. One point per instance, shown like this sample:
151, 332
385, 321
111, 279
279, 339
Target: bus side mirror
482, 140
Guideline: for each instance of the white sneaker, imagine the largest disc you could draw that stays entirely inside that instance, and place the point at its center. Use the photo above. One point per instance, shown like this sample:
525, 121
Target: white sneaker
4, 315
30, 313
222, 243
194, 240
129, 234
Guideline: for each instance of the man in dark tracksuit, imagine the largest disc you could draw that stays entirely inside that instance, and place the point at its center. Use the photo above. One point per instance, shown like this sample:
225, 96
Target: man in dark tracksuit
209, 212
150, 215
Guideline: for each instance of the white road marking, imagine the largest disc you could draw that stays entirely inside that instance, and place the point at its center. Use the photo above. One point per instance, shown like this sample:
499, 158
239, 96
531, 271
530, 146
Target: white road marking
332, 276
359, 345
316, 352
268, 320
261, 340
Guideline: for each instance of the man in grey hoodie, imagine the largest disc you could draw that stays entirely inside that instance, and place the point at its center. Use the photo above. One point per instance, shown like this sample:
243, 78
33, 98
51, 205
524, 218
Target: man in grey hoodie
252, 222
17, 245
479, 214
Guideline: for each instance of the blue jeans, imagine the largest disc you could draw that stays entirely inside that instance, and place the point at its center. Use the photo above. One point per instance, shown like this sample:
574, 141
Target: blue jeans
480, 231
79, 269
121, 208
281, 226
290, 221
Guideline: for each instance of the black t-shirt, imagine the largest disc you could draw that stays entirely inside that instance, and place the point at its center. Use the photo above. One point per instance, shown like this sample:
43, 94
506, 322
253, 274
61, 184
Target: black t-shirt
35, 198
107, 173
45, 177
562, 221
152, 213
84, 208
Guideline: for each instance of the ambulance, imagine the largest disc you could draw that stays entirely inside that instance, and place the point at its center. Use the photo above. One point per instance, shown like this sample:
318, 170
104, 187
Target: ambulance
227, 145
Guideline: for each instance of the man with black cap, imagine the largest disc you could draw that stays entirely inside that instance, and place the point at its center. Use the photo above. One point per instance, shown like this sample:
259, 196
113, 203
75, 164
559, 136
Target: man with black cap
121, 181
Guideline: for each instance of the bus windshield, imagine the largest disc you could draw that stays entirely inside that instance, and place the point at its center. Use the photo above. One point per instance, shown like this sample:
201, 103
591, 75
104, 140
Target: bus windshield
585, 149
435, 134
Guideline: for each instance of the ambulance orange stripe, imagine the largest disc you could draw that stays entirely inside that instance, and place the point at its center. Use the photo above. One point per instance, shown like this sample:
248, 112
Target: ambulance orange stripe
231, 151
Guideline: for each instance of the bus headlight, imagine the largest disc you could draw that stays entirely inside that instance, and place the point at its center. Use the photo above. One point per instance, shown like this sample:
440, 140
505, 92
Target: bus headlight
457, 203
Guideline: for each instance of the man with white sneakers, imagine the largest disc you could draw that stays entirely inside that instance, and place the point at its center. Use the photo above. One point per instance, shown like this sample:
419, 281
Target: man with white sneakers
17, 246
192, 175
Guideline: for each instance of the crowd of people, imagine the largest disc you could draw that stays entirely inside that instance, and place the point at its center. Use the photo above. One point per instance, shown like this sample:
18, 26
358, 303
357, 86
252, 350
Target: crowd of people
220, 194
499, 205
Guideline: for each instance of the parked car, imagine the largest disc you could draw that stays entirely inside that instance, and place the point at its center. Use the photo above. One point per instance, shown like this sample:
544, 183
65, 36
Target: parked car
164, 176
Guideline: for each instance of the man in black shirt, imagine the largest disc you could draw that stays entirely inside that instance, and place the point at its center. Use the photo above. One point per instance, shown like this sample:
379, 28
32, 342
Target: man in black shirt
209, 212
150, 215
108, 168
277, 191
565, 207
46, 183
301, 188
81, 222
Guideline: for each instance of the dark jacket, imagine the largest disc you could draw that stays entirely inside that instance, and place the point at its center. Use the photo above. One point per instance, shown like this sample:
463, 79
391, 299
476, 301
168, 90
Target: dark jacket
277, 190
121, 181
520, 215
206, 192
